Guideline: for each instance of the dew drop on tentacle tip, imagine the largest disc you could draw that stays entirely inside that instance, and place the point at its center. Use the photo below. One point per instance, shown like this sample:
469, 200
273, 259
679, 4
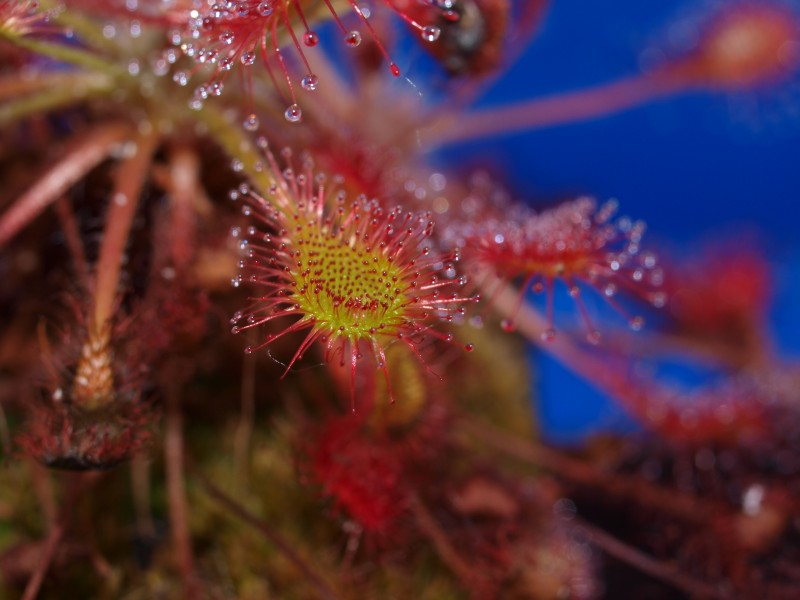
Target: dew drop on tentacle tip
181, 78
310, 82
251, 122
265, 8
476, 321
548, 335
430, 33
353, 39
508, 325
293, 113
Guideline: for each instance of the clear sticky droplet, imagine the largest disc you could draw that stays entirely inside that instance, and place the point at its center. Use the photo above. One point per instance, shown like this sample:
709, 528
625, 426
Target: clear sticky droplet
293, 113
251, 122
181, 78
549, 334
353, 39
265, 8
309, 82
508, 325
310, 39
476, 321
430, 33
451, 15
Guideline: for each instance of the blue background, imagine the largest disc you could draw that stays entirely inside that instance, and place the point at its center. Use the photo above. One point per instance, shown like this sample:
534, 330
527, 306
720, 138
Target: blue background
697, 167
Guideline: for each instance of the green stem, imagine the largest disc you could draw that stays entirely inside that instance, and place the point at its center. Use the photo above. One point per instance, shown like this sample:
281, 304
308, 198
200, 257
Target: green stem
54, 98
66, 54
232, 138
18, 84
87, 30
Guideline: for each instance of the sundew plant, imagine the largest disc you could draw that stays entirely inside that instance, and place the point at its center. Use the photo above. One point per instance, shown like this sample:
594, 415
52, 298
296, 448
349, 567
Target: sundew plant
274, 272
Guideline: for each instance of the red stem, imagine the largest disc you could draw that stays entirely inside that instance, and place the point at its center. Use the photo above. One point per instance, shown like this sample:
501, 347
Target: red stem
559, 109
51, 545
72, 236
122, 209
88, 152
184, 177
176, 490
673, 502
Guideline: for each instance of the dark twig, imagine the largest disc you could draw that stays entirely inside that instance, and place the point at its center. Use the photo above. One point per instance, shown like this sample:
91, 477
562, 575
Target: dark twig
51, 545
673, 502
324, 590
176, 488
647, 564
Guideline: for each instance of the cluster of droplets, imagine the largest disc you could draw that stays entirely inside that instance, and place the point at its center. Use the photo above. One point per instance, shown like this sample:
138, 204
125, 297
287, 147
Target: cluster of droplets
235, 33
576, 243
356, 275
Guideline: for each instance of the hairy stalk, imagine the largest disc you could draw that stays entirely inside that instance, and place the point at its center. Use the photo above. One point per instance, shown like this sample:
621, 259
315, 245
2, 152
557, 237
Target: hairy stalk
530, 324
85, 154
681, 505
130, 179
323, 588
